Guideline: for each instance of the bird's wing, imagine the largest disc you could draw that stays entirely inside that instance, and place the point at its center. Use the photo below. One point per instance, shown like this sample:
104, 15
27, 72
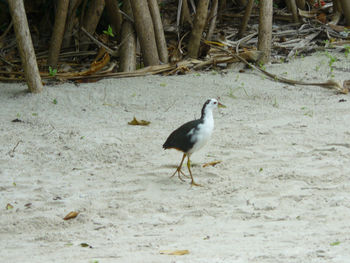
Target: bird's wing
180, 139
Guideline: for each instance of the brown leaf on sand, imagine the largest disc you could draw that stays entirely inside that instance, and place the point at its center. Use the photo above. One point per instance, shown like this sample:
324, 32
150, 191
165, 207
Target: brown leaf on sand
346, 87
211, 163
174, 252
139, 122
71, 215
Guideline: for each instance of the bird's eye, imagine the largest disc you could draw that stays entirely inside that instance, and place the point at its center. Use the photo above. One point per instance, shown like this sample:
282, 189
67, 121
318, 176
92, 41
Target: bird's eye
214, 102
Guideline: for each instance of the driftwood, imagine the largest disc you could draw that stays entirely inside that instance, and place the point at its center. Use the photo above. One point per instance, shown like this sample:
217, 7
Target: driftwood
330, 84
303, 44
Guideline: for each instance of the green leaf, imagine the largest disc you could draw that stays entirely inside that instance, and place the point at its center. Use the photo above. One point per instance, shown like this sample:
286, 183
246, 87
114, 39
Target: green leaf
109, 31
336, 243
52, 71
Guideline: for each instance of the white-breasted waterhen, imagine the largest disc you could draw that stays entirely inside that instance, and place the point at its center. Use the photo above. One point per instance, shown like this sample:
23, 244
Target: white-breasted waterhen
192, 136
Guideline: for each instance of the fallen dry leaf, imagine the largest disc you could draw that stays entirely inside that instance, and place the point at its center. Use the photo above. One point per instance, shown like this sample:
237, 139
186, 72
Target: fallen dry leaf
346, 87
211, 163
174, 252
85, 245
97, 65
71, 215
137, 122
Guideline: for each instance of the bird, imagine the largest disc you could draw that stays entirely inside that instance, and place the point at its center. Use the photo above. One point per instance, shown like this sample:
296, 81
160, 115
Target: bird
192, 136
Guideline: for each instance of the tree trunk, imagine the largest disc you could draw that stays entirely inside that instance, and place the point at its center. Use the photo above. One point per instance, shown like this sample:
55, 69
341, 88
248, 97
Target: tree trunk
25, 46
337, 13
128, 46
247, 13
57, 34
145, 31
158, 31
300, 4
115, 17
337, 6
265, 29
71, 19
346, 10
293, 9
198, 27
242, 3
91, 19
212, 19
185, 14
222, 7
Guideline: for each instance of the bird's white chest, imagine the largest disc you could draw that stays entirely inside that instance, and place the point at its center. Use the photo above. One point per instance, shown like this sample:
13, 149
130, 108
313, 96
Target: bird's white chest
201, 135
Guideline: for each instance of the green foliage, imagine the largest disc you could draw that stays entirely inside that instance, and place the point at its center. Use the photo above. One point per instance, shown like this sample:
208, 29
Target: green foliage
52, 71
262, 65
347, 50
331, 61
328, 44
275, 103
307, 112
54, 101
232, 91
109, 31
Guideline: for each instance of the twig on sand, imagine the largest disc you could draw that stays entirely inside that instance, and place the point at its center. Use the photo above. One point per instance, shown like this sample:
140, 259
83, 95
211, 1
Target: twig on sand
12, 152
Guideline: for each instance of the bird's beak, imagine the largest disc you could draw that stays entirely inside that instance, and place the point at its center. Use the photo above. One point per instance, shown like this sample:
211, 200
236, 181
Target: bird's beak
221, 105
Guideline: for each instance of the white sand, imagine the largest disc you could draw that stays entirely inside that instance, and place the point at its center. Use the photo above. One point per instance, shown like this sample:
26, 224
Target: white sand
281, 193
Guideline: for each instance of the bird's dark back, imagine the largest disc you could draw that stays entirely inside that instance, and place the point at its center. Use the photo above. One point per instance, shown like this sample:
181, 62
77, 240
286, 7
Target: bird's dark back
179, 139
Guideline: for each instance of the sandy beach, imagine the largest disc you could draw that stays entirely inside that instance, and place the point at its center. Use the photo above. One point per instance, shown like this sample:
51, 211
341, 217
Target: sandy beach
281, 192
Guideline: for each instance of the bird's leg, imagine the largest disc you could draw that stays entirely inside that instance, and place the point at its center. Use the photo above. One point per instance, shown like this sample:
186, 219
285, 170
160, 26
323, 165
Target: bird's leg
189, 169
178, 169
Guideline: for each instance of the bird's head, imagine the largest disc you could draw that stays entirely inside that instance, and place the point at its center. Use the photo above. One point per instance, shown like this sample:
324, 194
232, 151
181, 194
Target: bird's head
211, 104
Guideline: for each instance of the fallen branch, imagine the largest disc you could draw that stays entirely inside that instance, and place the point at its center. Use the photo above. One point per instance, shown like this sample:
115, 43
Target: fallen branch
99, 43
330, 84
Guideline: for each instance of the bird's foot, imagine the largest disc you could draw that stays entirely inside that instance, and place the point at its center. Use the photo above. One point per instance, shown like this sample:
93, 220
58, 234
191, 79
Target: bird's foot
178, 171
195, 184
